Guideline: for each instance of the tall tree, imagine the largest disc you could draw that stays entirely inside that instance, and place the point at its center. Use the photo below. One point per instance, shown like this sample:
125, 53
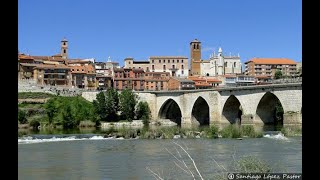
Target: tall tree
127, 104
100, 106
112, 104
278, 74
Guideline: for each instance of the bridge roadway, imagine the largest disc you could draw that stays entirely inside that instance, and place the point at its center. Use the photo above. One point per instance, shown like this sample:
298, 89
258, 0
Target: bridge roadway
224, 105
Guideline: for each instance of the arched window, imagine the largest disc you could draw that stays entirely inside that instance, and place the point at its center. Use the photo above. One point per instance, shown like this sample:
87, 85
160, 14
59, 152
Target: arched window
197, 46
194, 46
234, 64
164, 67
182, 66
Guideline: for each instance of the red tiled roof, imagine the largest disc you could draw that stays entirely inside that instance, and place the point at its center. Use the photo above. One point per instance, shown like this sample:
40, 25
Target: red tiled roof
47, 66
272, 61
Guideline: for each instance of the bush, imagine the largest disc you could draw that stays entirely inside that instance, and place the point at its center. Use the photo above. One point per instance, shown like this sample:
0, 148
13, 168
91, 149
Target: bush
248, 130
22, 116
231, 131
34, 95
251, 164
143, 112
34, 124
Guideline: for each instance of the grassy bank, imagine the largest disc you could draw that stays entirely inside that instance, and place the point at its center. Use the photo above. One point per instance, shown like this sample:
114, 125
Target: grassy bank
34, 95
231, 131
291, 131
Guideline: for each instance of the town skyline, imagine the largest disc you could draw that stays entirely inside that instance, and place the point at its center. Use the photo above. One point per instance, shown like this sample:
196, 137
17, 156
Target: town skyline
143, 29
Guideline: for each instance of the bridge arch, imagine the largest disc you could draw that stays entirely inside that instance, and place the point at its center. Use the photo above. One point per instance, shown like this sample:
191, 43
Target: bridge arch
232, 110
200, 112
270, 110
170, 110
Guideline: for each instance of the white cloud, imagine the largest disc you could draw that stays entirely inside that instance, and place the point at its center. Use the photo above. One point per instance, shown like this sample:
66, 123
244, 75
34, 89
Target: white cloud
206, 49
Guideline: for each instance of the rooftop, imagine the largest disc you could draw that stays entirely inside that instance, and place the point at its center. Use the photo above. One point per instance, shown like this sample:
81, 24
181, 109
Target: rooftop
271, 61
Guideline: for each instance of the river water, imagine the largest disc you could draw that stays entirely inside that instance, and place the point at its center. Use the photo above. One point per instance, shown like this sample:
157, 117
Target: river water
90, 156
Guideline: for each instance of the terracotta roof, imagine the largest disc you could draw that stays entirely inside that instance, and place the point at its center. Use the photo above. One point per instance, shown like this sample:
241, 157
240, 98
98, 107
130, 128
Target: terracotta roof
271, 61
47, 66
22, 56
204, 79
168, 57
75, 61
138, 70
29, 64
49, 58
157, 73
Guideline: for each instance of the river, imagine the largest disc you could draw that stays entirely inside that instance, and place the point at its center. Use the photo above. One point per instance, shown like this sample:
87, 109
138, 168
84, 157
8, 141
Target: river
90, 156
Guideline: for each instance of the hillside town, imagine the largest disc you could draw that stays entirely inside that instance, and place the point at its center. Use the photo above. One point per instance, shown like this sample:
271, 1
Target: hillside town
157, 73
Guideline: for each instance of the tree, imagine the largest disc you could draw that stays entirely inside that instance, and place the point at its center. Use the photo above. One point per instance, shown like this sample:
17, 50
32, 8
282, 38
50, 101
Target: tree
143, 112
22, 116
67, 117
100, 106
127, 104
51, 109
278, 74
112, 104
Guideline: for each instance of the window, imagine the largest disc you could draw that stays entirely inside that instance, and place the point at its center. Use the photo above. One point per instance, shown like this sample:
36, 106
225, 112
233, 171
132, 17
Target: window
234, 64
159, 60
182, 66
182, 72
178, 61
172, 60
181, 60
194, 46
152, 67
147, 69
168, 60
164, 61
152, 61
64, 51
164, 67
129, 62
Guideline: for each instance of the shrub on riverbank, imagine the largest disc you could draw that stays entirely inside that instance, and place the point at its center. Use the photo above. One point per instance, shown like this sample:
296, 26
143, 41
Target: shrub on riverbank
248, 130
22, 116
34, 95
291, 131
231, 131
69, 111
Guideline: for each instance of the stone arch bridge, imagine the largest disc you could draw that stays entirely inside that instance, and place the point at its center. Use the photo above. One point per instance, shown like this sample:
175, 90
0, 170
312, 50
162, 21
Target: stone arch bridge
248, 104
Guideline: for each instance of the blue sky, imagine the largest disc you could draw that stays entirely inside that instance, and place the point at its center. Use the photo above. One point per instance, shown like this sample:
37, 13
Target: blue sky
142, 28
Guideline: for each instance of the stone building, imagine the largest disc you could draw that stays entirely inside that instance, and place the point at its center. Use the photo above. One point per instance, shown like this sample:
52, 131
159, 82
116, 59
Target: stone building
216, 65
156, 81
175, 83
266, 67
127, 78
177, 66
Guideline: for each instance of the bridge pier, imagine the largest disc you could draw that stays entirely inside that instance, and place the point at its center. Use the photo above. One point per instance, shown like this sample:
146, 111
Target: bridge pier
186, 122
292, 118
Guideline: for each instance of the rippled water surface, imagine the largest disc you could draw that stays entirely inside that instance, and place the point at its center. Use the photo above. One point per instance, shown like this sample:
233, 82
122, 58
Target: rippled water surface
90, 156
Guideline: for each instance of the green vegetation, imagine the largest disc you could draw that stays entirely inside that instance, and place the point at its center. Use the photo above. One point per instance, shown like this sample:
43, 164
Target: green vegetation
290, 131
278, 74
22, 116
34, 124
278, 114
248, 130
143, 112
236, 131
251, 164
34, 95
69, 111
127, 104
